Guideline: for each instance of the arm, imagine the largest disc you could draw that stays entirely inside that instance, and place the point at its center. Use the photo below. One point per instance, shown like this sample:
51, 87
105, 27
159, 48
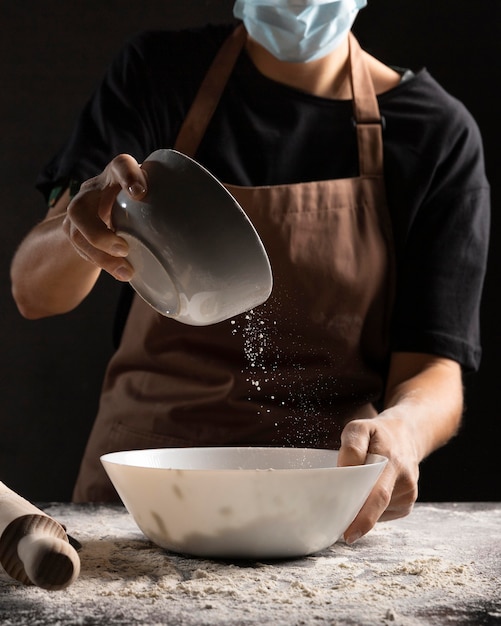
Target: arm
59, 261
423, 409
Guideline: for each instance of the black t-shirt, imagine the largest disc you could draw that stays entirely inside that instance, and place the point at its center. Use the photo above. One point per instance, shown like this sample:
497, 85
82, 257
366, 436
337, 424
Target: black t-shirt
266, 133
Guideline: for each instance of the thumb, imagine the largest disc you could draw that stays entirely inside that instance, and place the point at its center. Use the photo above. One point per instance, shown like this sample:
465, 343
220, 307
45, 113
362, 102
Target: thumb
355, 442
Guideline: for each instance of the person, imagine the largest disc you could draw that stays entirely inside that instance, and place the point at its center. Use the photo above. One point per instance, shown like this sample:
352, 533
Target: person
367, 186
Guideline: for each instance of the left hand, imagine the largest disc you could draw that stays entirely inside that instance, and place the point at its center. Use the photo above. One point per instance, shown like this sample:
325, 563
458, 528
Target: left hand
423, 410
396, 491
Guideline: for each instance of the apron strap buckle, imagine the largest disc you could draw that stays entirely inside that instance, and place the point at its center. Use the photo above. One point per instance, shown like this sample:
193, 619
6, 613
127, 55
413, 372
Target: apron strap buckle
381, 121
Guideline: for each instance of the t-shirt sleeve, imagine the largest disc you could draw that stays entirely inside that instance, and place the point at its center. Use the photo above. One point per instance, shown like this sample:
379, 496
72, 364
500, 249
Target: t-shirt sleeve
441, 271
121, 116
139, 104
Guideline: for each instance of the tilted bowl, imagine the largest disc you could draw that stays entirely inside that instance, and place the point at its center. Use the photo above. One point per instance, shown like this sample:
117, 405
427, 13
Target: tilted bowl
241, 502
196, 255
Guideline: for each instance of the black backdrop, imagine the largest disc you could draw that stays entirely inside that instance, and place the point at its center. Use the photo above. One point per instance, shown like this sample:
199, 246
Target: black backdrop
52, 53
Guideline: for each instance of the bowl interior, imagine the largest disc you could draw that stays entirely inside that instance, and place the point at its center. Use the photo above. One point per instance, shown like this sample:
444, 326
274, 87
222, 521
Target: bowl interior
197, 256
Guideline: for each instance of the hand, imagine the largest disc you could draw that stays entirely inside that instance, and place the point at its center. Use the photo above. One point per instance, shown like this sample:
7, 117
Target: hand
88, 220
394, 494
423, 409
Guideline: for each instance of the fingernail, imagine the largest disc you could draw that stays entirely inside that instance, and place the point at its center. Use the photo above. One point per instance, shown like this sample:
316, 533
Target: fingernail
353, 537
119, 250
136, 189
123, 273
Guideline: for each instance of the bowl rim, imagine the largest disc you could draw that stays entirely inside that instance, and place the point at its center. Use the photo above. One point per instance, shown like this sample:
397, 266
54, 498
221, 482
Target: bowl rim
112, 458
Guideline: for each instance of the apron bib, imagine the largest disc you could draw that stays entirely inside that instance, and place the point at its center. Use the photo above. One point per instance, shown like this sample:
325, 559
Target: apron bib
292, 371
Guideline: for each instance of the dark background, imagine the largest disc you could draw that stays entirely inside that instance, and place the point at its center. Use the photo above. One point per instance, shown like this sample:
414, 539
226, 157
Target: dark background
52, 52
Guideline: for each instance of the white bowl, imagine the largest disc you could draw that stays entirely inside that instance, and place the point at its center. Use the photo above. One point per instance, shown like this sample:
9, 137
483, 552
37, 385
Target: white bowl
241, 502
196, 255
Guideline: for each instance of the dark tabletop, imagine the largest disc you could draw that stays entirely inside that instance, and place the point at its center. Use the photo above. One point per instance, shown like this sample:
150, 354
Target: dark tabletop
439, 566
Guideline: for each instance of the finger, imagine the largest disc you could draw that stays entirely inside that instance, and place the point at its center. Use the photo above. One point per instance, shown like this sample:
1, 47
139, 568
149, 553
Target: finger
86, 229
373, 508
125, 171
393, 497
112, 262
122, 173
402, 500
396, 511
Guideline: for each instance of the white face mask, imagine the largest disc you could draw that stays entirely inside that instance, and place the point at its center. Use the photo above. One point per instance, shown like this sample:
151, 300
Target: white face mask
298, 31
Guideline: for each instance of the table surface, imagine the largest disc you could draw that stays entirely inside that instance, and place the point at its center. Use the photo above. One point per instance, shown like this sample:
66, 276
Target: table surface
440, 565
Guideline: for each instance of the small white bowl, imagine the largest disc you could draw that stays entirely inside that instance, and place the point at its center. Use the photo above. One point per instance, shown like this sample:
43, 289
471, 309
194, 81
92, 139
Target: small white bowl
241, 502
196, 255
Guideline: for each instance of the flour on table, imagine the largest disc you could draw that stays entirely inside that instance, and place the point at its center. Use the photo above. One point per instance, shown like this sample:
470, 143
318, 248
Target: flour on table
393, 576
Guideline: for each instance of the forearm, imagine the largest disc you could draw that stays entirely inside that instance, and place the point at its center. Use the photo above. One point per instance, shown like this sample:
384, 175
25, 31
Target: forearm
424, 394
48, 276
58, 263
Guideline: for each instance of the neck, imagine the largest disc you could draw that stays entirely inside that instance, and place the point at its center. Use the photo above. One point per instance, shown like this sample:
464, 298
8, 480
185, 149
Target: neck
326, 77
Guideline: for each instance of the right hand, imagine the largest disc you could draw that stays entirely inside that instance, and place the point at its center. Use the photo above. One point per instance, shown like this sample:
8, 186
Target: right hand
88, 219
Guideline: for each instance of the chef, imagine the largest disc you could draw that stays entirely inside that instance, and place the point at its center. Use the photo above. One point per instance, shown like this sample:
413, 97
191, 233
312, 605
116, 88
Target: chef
366, 184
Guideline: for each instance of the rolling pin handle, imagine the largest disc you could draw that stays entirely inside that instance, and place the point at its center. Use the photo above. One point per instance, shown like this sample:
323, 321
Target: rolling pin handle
49, 562
34, 548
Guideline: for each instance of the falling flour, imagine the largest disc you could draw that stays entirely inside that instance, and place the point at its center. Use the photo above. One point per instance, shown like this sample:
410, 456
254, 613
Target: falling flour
278, 383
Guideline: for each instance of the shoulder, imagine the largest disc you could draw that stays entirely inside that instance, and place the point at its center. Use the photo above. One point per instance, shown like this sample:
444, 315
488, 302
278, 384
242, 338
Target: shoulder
162, 69
434, 134
167, 64
175, 47
422, 102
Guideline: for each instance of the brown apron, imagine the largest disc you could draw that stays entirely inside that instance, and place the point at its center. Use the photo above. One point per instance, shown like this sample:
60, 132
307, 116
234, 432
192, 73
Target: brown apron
292, 371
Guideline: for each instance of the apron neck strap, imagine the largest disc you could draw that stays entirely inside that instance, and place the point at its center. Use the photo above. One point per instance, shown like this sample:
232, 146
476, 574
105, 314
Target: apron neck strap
209, 93
366, 114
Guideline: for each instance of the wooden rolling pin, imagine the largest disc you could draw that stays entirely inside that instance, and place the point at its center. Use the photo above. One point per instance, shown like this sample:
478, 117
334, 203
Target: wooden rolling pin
34, 548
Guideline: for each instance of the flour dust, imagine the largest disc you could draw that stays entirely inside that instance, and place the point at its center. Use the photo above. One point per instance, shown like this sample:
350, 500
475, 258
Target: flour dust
276, 376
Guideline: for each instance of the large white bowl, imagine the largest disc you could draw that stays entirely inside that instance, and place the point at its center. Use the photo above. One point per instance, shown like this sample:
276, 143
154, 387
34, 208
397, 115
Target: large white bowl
241, 502
196, 255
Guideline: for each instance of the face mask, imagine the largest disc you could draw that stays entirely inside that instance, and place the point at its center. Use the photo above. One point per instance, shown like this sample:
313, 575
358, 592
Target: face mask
298, 31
